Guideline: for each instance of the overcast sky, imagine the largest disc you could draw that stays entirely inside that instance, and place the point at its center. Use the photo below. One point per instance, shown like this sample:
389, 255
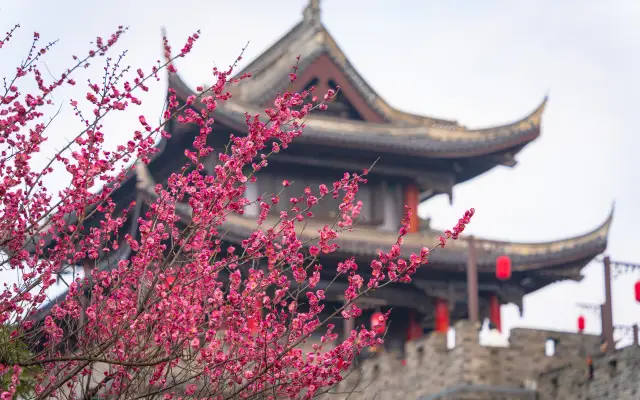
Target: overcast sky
480, 63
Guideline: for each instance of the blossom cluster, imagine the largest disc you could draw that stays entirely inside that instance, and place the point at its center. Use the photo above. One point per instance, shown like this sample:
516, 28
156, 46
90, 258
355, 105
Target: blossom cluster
179, 310
459, 228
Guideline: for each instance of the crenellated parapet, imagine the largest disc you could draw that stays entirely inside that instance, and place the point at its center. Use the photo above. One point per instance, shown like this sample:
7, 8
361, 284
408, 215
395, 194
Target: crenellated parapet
429, 366
615, 376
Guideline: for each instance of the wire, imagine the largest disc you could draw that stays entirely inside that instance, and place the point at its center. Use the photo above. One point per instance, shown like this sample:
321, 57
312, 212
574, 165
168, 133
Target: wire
620, 267
590, 307
624, 327
619, 264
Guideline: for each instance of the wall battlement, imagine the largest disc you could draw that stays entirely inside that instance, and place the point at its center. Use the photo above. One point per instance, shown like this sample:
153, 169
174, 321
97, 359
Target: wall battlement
429, 368
615, 376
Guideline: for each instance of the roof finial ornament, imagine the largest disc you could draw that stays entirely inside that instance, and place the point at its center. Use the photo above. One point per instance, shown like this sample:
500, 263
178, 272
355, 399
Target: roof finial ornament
312, 11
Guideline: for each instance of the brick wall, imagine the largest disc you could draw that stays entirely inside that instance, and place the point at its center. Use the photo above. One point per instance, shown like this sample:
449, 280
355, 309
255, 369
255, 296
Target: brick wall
431, 368
616, 377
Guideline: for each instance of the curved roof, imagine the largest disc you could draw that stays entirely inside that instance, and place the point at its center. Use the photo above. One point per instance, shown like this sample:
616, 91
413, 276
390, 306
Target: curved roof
308, 39
366, 241
399, 132
555, 260
417, 140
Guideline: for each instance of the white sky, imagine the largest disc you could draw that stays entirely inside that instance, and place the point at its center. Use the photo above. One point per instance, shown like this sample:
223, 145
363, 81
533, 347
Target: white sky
481, 63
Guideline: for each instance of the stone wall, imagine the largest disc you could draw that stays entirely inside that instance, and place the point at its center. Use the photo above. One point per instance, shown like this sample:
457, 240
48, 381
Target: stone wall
429, 367
616, 377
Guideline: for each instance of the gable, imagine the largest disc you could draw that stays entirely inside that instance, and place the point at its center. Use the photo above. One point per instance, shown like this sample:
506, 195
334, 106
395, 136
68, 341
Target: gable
324, 74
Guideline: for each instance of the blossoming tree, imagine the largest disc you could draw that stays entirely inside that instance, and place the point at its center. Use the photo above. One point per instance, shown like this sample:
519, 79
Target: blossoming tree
153, 326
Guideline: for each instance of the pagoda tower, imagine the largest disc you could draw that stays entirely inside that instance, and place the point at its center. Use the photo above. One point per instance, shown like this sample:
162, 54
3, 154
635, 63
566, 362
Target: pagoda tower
418, 157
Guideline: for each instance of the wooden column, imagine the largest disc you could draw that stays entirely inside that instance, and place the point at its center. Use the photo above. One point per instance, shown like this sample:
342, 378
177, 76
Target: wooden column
441, 315
412, 199
472, 282
85, 299
494, 312
607, 310
391, 208
349, 324
251, 193
414, 330
210, 162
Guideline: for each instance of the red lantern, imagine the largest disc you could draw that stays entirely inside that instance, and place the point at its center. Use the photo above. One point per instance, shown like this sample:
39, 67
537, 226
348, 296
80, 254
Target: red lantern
253, 322
442, 316
503, 268
637, 288
377, 323
253, 325
581, 323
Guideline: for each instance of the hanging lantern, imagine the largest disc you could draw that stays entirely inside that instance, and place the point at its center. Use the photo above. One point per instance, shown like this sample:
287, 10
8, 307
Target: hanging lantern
169, 281
503, 268
637, 289
581, 324
377, 323
253, 322
253, 325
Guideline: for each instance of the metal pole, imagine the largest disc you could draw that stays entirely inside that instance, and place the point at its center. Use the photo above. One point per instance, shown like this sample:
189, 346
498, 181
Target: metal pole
607, 317
635, 334
603, 318
472, 282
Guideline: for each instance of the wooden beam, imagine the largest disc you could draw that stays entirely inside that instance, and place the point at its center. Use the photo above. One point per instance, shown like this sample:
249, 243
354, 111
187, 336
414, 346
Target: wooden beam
390, 296
504, 159
367, 303
457, 292
439, 180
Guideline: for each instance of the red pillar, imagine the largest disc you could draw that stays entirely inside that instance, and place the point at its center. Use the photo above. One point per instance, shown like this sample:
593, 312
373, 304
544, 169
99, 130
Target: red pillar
412, 199
414, 331
442, 315
494, 312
